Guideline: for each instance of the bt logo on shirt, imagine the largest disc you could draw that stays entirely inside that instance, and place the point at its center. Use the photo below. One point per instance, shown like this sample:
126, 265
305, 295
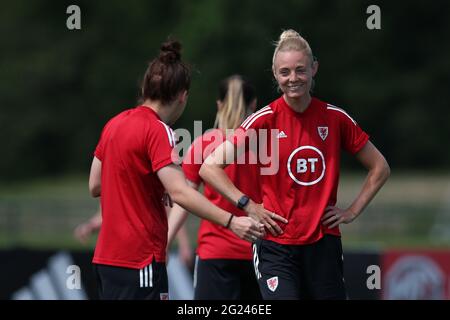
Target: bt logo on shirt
302, 165
306, 165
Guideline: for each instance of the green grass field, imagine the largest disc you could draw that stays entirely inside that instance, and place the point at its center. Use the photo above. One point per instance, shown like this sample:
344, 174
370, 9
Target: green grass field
412, 210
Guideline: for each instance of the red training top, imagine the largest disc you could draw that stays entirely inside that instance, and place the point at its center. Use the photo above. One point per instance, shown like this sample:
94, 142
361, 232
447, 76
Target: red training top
133, 146
215, 241
304, 179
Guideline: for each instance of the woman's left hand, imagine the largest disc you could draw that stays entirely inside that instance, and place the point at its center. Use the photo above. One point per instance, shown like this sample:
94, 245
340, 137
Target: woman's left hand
334, 216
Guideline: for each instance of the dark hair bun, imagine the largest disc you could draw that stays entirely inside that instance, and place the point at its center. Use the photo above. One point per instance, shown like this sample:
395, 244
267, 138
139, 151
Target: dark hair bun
170, 51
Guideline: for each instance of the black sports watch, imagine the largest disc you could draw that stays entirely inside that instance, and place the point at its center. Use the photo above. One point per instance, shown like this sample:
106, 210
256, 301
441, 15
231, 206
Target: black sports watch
242, 202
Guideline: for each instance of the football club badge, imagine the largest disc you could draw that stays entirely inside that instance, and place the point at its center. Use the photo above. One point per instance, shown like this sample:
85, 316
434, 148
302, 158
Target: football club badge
272, 283
163, 296
323, 132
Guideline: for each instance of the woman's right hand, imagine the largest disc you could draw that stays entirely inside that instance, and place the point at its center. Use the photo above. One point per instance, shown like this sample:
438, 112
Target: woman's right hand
266, 217
247, 228
82, 232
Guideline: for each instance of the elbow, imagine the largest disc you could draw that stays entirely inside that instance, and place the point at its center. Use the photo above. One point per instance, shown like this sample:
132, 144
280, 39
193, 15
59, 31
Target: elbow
95, 190
204, 171
178, 195
385, 171
388, 171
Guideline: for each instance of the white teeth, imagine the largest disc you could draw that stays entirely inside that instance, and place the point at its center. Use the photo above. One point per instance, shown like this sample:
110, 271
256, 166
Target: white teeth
295, 87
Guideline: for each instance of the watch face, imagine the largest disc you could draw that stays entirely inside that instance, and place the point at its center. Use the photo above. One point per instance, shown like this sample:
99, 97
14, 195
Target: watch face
243, 201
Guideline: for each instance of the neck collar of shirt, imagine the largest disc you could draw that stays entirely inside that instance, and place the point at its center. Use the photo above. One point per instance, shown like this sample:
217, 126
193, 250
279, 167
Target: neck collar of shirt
307, 111
148, 109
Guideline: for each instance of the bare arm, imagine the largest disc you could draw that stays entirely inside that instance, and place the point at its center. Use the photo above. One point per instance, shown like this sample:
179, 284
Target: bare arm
378, 173
177, 217
95, 178
185, 253
84, 230
174, 181
212, 172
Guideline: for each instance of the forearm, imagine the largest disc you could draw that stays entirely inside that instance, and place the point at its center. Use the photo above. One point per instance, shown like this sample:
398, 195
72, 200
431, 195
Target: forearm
373, 183
183, 239
174, 181
196, 203
182, 236
218, 179
96, 221
177, 218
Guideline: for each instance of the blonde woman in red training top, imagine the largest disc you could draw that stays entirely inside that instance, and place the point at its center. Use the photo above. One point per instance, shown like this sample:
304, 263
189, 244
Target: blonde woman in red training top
305, 260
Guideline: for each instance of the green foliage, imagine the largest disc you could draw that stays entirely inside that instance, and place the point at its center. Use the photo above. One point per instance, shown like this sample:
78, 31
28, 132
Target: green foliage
59, 87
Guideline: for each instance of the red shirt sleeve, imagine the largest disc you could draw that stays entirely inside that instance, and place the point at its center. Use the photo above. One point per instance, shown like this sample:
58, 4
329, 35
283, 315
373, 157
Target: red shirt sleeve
160, 146
98, 153
99, 150
353, 137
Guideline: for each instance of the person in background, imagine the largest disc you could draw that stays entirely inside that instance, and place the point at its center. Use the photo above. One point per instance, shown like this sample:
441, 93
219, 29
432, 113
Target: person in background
223, 267
86, 229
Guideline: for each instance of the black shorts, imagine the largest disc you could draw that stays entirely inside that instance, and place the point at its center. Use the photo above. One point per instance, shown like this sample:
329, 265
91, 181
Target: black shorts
313, 271
225, 279
118, 283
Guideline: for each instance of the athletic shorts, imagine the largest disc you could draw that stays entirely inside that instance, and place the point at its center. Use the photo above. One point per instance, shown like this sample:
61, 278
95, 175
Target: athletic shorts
225, 279
118, 283
313, 271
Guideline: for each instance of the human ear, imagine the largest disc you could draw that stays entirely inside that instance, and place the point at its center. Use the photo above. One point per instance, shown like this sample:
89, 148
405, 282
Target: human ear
252, 105
183, 97
315, 67
219, 104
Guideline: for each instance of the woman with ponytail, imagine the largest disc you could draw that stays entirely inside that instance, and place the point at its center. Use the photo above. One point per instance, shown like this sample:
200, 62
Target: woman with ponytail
133, 167
301, 259
223, 267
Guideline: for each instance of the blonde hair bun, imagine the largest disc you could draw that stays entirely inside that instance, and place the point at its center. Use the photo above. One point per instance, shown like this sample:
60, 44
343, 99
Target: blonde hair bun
291, 40
289, 34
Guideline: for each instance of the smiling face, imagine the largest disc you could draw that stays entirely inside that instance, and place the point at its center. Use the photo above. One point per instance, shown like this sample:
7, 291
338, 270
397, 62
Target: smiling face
294, 72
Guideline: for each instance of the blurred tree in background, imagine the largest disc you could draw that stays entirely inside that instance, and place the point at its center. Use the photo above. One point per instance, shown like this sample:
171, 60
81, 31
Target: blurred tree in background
58, 87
